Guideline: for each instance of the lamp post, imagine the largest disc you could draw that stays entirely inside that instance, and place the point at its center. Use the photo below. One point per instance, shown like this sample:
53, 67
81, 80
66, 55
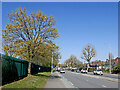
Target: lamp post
110, 57
84, 64
110, 61
52, 63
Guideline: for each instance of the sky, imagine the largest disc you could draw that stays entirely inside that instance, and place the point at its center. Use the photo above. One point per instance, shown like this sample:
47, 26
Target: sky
78, 24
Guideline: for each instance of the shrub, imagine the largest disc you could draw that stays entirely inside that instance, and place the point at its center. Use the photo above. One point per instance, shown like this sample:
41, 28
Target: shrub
116, 69
81, 68
91, 69
102, 70
107, 70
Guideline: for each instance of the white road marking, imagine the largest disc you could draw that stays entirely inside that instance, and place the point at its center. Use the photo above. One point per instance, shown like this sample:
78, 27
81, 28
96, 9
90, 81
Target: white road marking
67, 83
72, 83
103, 86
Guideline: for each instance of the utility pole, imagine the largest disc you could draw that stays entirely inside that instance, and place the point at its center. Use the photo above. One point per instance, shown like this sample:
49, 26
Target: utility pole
110, 56
52, 61
110, 61
84, 64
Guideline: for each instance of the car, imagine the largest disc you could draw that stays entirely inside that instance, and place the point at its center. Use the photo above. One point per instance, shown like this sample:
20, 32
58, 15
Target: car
62, 71
78, 70
97, 72
72, 70
84, 71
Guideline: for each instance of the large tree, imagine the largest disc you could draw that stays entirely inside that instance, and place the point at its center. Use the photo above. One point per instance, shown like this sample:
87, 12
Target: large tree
88, 53
30, 36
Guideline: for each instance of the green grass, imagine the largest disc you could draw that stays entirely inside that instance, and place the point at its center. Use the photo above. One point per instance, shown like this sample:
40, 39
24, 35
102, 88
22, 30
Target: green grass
33, 81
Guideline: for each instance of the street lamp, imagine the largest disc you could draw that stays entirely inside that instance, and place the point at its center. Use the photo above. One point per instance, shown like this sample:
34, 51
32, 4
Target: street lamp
110, 61
110, 57
52, 63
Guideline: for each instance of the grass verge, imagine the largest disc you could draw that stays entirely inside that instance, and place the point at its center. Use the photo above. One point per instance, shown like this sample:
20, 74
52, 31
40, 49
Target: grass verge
33, 81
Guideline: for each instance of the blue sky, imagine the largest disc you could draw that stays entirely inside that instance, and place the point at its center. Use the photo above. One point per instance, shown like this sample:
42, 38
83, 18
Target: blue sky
78, 24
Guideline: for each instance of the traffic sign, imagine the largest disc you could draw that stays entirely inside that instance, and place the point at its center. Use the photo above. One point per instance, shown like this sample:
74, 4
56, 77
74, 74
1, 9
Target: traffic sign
51, 66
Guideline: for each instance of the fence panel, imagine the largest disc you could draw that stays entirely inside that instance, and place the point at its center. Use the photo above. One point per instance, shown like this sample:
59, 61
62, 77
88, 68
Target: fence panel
35, 68
13, 69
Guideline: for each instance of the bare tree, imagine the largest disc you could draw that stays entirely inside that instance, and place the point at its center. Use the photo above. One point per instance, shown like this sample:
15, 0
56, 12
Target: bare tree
87, 53
73, 61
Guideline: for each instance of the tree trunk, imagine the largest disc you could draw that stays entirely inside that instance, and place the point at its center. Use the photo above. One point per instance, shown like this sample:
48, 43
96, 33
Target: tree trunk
29, 67
88, 66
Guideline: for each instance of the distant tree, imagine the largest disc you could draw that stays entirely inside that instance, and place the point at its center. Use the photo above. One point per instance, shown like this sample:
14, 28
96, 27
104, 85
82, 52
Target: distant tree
56, 57
73, 61
59, 65
30, 36
88, 53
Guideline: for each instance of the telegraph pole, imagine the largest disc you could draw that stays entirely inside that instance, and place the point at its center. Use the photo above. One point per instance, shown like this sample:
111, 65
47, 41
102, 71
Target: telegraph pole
52, 58
110, 61
84, 64
52, 63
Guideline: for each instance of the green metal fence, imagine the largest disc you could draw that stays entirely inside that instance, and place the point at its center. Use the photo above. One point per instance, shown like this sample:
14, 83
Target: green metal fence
35, 68
15, 69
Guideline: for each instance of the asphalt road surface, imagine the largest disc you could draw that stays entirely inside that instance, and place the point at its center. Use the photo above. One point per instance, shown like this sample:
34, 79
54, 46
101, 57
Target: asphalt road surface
106, 75
81, 81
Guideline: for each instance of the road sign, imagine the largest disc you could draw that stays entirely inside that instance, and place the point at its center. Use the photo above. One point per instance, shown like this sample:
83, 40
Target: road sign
51, 66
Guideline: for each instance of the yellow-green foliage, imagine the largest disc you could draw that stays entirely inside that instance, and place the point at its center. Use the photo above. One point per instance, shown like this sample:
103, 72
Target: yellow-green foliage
30, 36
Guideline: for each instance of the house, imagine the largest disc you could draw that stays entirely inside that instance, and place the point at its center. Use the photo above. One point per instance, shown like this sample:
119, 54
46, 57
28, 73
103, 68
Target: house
114, 62
85, 64
98, 64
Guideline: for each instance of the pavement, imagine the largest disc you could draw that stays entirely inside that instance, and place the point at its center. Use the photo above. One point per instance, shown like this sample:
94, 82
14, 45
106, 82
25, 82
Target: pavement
55, 81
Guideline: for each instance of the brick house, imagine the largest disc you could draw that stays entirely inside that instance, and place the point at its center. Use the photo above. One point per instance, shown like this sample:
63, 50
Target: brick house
97, 64
114, 62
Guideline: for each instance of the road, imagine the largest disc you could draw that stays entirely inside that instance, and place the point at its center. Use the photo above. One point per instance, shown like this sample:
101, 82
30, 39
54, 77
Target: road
81, 81
106, 75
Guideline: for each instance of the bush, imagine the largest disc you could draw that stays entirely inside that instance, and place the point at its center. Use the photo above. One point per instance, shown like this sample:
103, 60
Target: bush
116, 69
69, 69
81, 68
91, 69
102, 70
107, 70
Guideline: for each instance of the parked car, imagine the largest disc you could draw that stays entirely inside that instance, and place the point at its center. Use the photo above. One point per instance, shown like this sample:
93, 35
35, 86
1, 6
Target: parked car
78, 70
97, 72
84, 71
62, 71
72, 70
